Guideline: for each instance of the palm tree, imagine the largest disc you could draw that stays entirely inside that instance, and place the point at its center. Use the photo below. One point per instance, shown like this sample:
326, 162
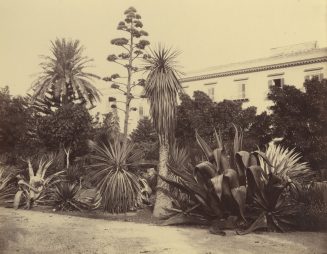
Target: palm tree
162, 88
63, 77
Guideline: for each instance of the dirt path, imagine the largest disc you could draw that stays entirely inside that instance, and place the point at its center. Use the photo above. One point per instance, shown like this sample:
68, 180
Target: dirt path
36, 232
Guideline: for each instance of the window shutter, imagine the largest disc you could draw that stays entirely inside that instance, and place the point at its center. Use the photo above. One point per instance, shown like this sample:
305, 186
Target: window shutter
243, 91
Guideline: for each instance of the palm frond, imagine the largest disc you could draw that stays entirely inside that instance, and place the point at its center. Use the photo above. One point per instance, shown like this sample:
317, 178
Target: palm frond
63, 73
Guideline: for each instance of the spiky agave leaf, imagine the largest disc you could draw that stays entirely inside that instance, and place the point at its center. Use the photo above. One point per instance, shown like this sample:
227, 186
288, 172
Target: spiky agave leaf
267, 192
286, 164
204, 146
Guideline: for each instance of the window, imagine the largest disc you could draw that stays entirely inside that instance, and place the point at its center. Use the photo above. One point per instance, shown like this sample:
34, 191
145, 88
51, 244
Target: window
318, 76
241, 91
279, 82
141, 113
211, 93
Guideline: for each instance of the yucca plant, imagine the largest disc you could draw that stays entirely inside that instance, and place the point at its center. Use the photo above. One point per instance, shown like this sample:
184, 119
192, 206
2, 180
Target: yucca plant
32, 191
118, 187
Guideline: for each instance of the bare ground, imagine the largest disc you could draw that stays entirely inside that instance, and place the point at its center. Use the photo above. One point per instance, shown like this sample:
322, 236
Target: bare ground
28, 232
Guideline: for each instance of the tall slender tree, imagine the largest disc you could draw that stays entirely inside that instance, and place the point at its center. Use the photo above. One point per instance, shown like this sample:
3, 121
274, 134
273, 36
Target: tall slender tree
133, 49
63, 78
161, 88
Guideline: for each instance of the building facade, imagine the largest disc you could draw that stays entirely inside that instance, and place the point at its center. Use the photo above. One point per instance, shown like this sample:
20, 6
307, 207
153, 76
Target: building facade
249, 81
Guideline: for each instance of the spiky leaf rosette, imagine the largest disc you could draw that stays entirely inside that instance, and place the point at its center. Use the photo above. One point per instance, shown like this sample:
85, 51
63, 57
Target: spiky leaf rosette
64, 197
118, 187
161, 88
286, 165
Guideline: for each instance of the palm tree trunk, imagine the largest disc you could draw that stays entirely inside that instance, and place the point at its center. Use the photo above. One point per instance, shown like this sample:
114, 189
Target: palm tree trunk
162, 200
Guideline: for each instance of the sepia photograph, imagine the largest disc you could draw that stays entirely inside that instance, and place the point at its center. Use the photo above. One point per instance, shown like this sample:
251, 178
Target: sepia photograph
163, 127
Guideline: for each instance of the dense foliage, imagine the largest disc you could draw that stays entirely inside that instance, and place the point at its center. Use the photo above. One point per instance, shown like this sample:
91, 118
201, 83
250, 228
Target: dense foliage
146, 139
300, 119
69, 126
15, 122
203, 115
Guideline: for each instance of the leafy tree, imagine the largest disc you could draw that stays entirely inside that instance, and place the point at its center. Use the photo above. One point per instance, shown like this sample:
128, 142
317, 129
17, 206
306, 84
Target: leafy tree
144, 131
300, 119
204, 115
146, 139
260, 132
16, 120
63, 78
133, 49
161, 89
69, 128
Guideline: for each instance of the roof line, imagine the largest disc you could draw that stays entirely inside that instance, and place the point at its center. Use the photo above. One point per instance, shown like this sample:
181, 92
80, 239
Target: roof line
254, 69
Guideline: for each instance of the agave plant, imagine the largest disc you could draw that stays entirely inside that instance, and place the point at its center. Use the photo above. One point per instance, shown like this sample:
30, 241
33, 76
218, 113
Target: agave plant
64, 196
228, 185
215, 189
268, 197
33, 190
285, 164
118, 187
7, 189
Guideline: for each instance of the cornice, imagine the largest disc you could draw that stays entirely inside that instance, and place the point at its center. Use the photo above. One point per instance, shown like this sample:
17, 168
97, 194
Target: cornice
255, 69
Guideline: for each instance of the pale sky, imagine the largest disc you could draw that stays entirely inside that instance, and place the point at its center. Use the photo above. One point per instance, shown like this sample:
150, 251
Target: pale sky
208, 32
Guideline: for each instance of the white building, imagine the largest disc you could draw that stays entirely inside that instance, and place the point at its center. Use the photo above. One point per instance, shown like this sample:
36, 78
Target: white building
249, 81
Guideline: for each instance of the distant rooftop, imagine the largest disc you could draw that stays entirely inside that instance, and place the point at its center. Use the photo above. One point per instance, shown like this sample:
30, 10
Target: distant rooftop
294, 48
286, 56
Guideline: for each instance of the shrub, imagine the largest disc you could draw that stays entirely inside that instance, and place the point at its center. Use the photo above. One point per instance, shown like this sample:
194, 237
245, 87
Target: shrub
314, 198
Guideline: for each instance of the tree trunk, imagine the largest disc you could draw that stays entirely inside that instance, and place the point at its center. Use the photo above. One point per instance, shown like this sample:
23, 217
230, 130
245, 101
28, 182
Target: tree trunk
162, 200
67, 152
128, 88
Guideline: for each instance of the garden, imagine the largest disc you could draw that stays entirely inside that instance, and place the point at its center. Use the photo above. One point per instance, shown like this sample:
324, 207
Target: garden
194, 161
